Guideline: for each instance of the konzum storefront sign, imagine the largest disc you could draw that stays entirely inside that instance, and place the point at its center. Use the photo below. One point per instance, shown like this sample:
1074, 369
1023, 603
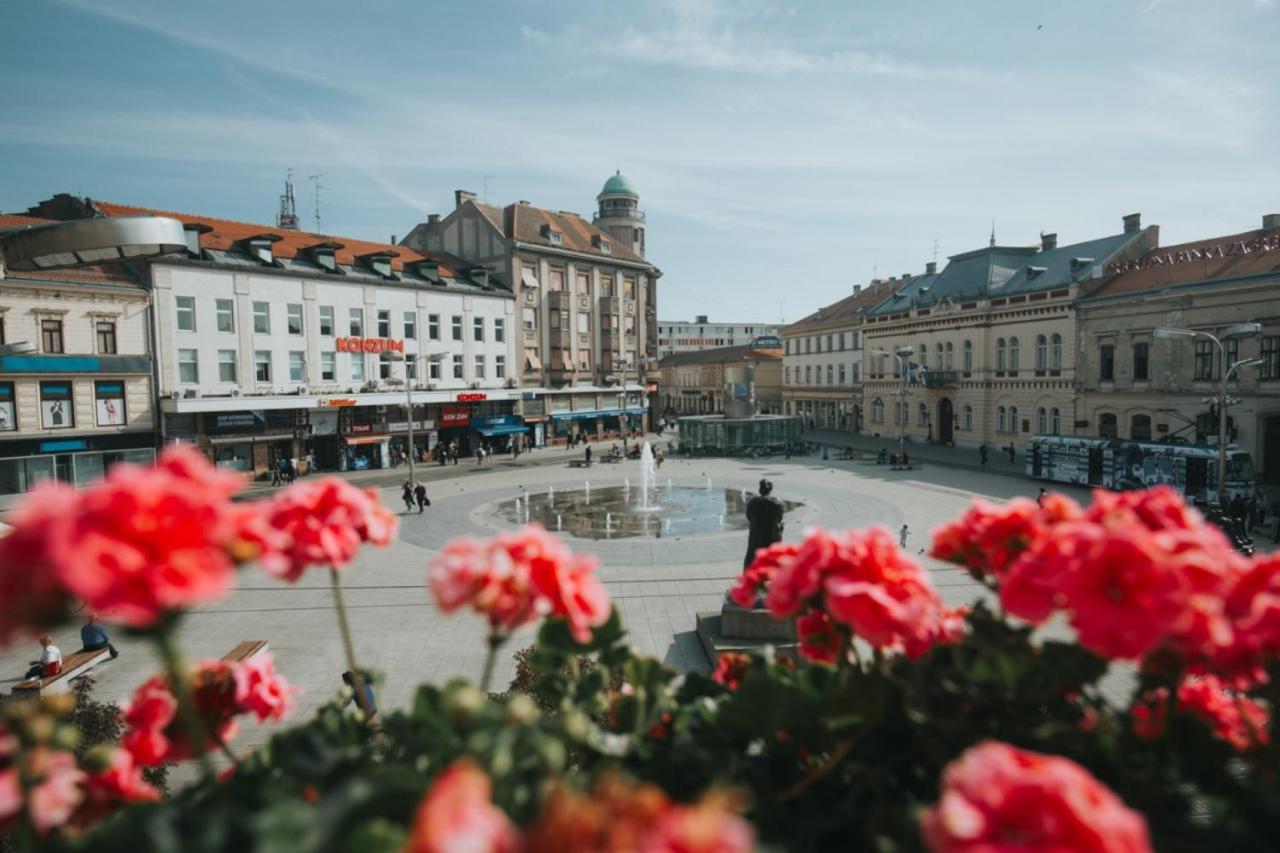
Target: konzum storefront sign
369, 345
472, 397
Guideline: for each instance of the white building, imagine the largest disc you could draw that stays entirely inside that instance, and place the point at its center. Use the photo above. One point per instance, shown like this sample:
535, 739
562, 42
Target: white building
275, 343
683, 336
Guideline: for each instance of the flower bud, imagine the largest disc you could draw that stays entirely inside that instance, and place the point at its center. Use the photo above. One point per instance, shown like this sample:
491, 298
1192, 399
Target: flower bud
521, 710
463, 702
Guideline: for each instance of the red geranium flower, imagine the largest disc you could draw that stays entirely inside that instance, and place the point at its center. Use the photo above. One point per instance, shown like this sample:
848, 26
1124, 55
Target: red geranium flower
1237, 720
118, 781
755, 580
820, 640
996, 797
731, 669
456, 816
32, 596
325, 522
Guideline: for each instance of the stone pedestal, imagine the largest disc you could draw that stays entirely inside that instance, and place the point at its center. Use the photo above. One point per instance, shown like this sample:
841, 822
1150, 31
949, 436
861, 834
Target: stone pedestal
738, 629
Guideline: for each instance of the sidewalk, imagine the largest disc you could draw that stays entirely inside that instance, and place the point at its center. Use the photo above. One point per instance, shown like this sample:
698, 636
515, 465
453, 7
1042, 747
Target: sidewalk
918, 451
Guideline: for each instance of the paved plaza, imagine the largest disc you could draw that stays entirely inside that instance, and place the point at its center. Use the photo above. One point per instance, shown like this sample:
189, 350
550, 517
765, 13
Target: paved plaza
658, 584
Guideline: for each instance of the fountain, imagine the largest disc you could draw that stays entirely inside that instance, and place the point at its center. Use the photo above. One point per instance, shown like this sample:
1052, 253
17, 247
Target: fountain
744, 495
708, 484
648, 472
608, 521
720, 519
559, 523
551, 496
668, 488
586, 489
626, 484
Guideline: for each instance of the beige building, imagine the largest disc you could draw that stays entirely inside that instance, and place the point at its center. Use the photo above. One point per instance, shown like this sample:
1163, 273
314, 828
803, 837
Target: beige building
81, 398
822, 363
586, 303
1138, 386
700, 382
992, 338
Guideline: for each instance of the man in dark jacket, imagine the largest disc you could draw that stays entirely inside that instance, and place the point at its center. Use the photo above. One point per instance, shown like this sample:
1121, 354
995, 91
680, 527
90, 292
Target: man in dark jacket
764, 515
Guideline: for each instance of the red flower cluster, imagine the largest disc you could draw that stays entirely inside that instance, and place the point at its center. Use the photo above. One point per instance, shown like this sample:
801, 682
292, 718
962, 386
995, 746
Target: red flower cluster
516, 577
731, 668
456, 816
324, 523
118, 781
753, 582
222, 690
1234, 718
998, 798
1133, 571
859, 580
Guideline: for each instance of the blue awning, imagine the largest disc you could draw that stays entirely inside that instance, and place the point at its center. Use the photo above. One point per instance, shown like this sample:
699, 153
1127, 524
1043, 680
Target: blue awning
501, 429
599, 413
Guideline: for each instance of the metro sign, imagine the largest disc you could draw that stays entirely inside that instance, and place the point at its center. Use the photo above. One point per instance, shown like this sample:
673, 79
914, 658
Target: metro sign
369, 345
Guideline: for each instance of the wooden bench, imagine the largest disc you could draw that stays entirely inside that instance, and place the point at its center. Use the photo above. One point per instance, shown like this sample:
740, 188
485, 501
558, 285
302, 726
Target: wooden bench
76, 663
579, 463
610, 458
246, 650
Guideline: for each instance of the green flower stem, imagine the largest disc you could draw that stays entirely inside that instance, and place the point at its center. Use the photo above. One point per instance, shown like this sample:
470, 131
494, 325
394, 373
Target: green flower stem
180, 683
339, 603
494, 642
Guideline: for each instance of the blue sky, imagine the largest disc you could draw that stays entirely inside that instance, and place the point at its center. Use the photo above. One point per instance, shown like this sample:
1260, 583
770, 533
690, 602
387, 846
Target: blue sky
783, 152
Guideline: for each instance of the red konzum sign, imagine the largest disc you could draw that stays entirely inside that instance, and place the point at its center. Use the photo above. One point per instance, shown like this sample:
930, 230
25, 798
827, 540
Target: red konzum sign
455, 416
472, 397
369, 345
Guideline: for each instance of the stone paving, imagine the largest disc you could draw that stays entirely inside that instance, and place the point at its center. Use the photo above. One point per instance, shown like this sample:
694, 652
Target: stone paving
658, 584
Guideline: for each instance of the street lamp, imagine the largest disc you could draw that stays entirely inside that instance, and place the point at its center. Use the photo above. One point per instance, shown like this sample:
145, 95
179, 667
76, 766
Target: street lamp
408, 397
900, 354
1239, 330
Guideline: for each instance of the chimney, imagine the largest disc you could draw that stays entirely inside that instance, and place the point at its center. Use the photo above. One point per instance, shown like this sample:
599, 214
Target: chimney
393, 239
1050, 241
433, 219
1133, 223
461, 197
906, 276
931, 268
1270, 221
857, 288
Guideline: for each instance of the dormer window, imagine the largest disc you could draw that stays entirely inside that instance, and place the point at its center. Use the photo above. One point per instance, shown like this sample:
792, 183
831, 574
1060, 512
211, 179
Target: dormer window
430, 270
192, 231
260, 248
1032, 272
602, 245
379, 263
478, 275
324, 255
552, 235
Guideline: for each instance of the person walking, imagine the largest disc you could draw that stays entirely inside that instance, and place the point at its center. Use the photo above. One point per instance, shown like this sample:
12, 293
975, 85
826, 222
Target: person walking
982, 453
1040, 498
1013, 454
275, 472
93, 637
479, 455
420, 492
902, 536
407, 496
587, 454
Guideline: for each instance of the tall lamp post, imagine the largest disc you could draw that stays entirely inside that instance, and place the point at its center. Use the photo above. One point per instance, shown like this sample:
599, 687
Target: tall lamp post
1240, 330
901, 354
408, 399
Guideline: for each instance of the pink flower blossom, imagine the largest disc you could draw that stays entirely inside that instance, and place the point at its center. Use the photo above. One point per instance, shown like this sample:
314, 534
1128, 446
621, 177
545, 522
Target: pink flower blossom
456, 816
324, 522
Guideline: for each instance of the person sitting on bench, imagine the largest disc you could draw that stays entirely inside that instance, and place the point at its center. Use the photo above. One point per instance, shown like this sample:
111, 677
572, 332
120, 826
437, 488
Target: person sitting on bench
94, 637
50, 662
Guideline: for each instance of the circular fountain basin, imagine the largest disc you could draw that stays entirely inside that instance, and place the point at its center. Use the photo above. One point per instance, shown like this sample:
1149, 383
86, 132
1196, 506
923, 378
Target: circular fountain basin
615, 512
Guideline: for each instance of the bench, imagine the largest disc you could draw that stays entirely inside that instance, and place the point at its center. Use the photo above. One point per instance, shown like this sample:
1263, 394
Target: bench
910, 466
579, 463
609, 458
76, 663
246, 650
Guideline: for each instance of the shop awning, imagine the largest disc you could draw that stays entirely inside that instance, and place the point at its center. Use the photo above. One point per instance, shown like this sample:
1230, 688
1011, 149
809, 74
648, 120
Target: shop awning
531, 361
599, 413
245, 439
501, 429
365, 439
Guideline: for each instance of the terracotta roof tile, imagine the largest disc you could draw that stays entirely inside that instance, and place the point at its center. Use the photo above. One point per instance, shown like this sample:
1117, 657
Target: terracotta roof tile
851, 307
1249, 253
18, 220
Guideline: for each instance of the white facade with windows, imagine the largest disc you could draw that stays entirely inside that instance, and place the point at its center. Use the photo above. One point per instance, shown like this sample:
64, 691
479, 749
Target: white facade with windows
701, 334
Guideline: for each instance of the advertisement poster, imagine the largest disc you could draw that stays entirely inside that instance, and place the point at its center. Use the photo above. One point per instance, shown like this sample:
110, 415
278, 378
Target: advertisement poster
110, 411
8, 417
55, 406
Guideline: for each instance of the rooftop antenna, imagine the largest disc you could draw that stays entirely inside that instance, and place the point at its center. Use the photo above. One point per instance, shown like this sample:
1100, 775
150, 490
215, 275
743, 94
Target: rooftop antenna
993, 231
287, 218
484, 191
935, 250
316, 186
875, 272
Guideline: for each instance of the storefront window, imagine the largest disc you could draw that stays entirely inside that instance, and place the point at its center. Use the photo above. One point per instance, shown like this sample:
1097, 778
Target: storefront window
56, 405
109, 400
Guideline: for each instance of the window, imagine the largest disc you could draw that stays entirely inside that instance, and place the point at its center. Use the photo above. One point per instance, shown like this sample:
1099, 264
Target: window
225, 314
922, 415
1270, 368
877, 411
477, 328
106, 337
1106, 363
829, 375
356, 322
57, 409
1055, 422
787, 377
857, 370
1140, 353
1232, 348
1204, 360
411, 368
1055, 352
410, 326
8, 414
1140, 428
530, 318
841, 374
479, 374
294, 319
808, 374
1013, 419
328, 367
357, 367
1107, 426
108, 400
1000, 354
297, 367
1042, 353
1013, 355
51, 335
499, 367
188, 366
950, 363
326, 320
384, 365
967, 421
226, 365
262, 318
924, 355
966, 356
433, 327
186, 306
499, 330
433, 368
1002, 423
262, 366
457, 327
1042, 421
457, 366
384, 324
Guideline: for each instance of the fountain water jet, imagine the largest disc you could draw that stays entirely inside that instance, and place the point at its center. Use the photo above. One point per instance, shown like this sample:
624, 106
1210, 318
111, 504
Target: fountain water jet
559, 524
648, 474
551, 496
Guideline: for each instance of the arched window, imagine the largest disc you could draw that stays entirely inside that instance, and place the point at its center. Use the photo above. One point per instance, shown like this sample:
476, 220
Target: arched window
1055, 422
939, 362
951, 350
968, 357
1001, 422
924, 355
1140, 428
1013, 419
1042, 353
968, 417
922, 415
1013, 355
1107, 426
1000, 354
877, 411
1055, 353
1042, 421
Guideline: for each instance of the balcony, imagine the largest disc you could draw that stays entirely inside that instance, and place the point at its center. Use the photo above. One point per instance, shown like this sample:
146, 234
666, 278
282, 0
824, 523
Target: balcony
609, 305
559, 300
940, 378
560, 339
